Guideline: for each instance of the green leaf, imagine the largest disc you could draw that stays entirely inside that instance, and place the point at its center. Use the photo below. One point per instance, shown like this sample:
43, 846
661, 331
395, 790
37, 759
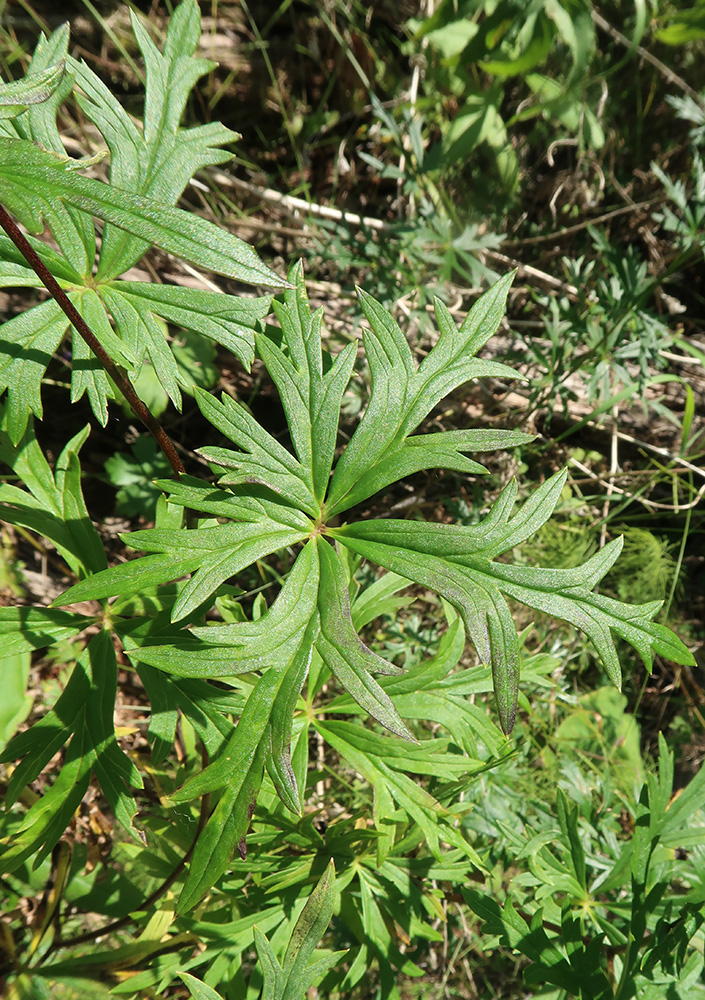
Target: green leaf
224, 831
344, 653
147, 336
433, 692
576, 27
15, 272
214, 553
570, 835
85, 539
538, 46
263, 735
197, 989
292, 981
458, 563
37, 184
261, 642
127, 579
254, 721
261, 458
312, 924
240, 503
278, 759
369, 760
311, 398
158, 160
401, 396
273, 986
87, 372
443, 450
207, 709
16, 704
113, 768
133, 475
83, 713
28, 342
34, 88
219, 552
38, 744
164, 711
224, 319
53, 504
153, 164
45, 822
512, 928
74, 231
284, 634
230, 766
23, 629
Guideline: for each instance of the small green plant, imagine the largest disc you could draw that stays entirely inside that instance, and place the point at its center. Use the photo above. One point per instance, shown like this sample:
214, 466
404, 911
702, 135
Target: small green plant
609, 340
600, 915
428, 244
477, 51
243, 698
133, 475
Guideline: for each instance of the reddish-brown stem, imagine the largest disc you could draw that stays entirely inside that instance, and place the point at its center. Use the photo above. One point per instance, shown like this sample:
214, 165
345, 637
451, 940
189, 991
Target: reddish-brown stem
116, 374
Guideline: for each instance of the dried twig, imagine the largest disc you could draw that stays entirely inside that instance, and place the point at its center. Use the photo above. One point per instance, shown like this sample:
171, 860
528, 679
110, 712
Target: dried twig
578, 227
663, 452
295, 205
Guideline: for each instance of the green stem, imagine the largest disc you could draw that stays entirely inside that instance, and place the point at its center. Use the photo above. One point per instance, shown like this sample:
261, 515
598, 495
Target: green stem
118, 376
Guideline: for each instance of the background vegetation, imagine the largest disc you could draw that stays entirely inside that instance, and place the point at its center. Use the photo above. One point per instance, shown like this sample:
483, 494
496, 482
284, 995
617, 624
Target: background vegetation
420, 150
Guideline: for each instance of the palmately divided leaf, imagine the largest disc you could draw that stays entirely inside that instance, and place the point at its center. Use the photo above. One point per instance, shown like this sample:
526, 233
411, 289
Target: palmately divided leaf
224, 831
74, 231
443, 450
23, 629
87, 372
158, 160
298, 971
239, 503
422, 807
402, 396
16, 272
458, 563
152, 163
432, 691
28, 343
144, 334
278, 758
225, 319
52, 504
83, 713
238, 770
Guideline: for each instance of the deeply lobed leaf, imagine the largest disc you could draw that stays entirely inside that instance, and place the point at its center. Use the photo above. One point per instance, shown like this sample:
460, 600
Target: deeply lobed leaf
149, 168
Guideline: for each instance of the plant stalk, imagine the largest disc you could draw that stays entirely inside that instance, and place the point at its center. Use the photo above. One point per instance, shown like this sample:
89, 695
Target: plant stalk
118, 376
